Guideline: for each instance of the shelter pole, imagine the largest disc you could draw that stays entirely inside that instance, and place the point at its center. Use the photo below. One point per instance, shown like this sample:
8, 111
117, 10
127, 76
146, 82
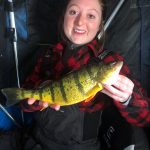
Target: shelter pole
14, 36
14, 42
110, 19
8, 114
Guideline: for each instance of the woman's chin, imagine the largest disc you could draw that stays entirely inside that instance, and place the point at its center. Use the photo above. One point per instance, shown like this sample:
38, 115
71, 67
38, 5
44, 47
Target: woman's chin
79, 42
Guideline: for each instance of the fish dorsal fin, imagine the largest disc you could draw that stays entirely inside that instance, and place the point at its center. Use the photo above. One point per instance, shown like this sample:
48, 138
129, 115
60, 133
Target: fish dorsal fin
45, 83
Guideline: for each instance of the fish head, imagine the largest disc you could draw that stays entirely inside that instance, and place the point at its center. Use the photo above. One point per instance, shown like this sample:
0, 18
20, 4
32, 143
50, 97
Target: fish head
107, 73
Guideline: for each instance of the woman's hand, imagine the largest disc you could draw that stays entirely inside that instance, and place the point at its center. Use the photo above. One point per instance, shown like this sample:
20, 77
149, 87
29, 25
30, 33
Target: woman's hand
43, 104
121, 90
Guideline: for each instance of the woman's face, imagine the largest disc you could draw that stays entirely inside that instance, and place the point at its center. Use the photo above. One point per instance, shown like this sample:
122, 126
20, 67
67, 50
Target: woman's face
82, 20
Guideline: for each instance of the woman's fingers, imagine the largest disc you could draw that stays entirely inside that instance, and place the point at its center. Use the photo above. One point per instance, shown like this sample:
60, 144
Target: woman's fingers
55, 106
31, 101
120, 90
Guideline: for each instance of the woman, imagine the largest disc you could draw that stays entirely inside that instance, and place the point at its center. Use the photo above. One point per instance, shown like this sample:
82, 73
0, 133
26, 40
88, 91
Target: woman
76, 127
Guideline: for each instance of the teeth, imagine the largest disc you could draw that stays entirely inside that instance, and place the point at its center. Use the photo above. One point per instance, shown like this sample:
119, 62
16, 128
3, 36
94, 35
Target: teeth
79, 31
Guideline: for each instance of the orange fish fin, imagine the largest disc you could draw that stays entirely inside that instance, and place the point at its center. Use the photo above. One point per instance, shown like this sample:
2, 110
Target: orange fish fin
43, 108
89, 99
92, 93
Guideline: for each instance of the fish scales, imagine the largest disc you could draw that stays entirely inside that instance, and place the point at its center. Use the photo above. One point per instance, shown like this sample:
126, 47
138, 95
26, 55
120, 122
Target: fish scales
72, 88
86, 81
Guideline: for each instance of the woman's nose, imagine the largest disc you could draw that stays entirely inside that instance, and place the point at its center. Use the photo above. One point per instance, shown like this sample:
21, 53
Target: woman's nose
80, 20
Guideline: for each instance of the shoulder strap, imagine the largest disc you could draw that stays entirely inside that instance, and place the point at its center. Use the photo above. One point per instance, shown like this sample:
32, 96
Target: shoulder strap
104, 54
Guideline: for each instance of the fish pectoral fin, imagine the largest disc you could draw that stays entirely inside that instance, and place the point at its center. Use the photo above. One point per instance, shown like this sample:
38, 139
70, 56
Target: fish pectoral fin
100, 85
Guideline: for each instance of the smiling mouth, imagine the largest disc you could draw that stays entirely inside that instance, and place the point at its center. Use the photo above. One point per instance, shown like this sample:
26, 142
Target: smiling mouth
79, 31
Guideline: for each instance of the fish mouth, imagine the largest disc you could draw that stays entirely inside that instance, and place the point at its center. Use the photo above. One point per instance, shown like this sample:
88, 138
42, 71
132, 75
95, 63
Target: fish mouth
118, 65
112, 78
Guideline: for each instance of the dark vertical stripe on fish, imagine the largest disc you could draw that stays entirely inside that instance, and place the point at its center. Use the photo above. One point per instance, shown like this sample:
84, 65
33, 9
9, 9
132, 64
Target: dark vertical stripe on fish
52, 91
40, 94
89, 71
32, 93
22, 93
63, 93
77, 82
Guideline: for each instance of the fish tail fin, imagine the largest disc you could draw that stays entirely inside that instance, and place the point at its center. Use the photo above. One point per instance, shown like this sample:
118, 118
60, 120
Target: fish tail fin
13, 95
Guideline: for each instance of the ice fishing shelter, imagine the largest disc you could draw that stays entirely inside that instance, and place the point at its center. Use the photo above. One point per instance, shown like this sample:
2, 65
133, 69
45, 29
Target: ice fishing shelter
35, 25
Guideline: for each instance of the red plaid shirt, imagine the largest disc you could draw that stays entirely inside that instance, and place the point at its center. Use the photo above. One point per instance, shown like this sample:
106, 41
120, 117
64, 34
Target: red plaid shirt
56, 62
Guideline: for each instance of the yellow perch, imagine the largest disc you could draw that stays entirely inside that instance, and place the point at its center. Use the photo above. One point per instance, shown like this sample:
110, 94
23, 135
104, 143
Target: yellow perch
75, 87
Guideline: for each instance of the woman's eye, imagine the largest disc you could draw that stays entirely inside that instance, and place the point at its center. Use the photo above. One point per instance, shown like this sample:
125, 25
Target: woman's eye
72, 12
90, 16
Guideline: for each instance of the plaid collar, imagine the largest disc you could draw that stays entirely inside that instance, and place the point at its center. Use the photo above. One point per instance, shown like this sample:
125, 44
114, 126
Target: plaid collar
92, 46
